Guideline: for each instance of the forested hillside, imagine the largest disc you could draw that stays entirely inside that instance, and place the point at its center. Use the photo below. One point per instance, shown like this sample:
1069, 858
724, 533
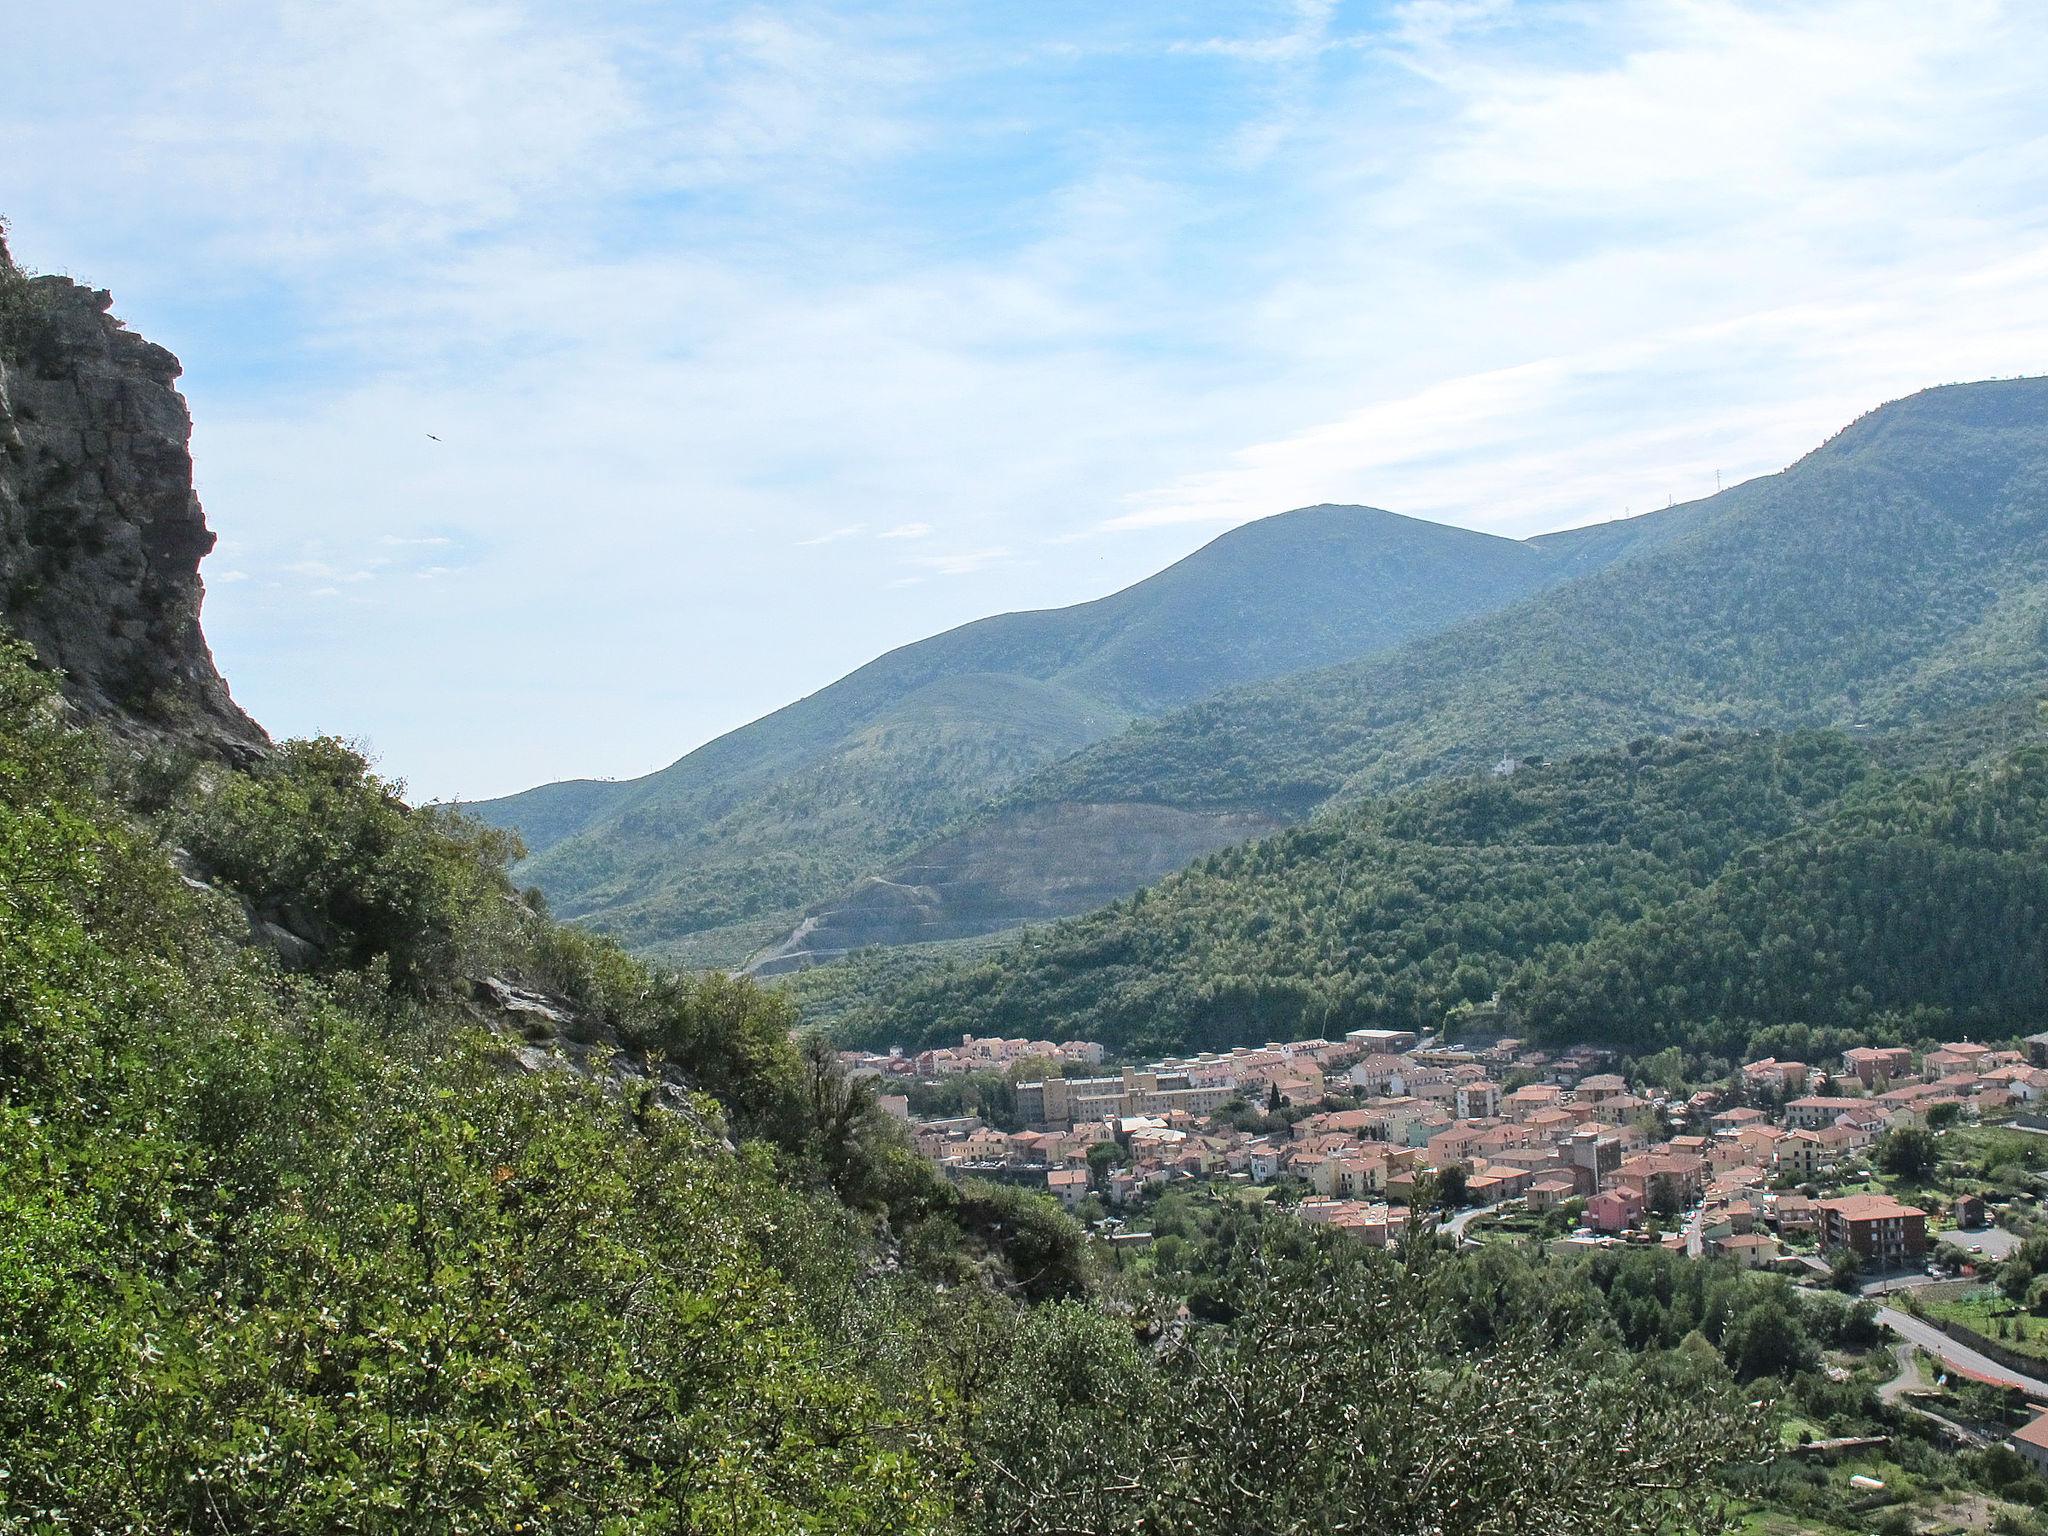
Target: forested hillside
707, 857
1694, 891
1921, 911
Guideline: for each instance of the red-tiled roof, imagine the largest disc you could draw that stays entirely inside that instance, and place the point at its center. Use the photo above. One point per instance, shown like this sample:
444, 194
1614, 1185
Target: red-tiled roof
1867, 1207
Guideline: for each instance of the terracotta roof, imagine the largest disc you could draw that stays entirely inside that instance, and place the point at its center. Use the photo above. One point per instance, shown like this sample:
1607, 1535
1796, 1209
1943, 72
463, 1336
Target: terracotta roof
2035, 1433
1867, 1207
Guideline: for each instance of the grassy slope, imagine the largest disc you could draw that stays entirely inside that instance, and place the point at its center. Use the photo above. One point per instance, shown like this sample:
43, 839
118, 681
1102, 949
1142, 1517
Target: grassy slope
791, 807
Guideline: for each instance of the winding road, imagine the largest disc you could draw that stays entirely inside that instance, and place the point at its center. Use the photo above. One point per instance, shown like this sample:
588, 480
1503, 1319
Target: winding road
1952, 1353
1909, 1380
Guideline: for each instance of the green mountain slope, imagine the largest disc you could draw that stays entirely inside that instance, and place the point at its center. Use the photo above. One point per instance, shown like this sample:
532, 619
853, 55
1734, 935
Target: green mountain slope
833, 787
1923, 911
1690, 890
1897, 571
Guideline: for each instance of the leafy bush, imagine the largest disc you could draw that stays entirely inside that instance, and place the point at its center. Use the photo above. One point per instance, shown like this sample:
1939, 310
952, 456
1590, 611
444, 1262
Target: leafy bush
321, 844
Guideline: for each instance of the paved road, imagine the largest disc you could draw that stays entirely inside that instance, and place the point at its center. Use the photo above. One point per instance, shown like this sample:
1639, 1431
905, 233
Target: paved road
1457, 1224
1908, 1379
1950, 1352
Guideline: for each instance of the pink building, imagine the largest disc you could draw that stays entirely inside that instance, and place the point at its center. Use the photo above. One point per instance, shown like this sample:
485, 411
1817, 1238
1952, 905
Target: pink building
1614, 1210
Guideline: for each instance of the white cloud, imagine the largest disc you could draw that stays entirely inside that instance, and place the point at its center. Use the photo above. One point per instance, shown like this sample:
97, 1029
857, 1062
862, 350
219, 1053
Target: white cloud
1308, 35
684, 288
964, 563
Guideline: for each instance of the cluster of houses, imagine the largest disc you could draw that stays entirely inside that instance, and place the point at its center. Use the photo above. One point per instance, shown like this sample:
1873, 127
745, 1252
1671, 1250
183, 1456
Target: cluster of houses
973, 1054
1380, 1111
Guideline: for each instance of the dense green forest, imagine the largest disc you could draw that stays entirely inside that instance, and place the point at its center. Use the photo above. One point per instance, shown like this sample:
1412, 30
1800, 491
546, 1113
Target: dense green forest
303, 1250
706, 858
1693, 890
1920, 911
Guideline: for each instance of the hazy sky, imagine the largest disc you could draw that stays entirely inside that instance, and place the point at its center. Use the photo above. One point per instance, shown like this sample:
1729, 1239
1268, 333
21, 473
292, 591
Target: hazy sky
762, 338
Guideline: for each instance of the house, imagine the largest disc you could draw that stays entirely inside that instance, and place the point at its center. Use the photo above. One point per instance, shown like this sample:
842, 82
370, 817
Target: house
1816, 1110
1740, 1119
1968, 1211
1499, 1181
1478, 1100
1601, 1087
1665, 1179
1551, 1191
1524, 1102
1593, 1158
1349, 1177
1803, 1154
1793, 1213
2037, 1049
1068, 1185
1614, 1210
1868, 1063
1385, 1041
1773, 1076
2032, 1442
1876, 1228
2025, 1084
1724, 1154
1956, 1056
1457, 1144
1753, 1250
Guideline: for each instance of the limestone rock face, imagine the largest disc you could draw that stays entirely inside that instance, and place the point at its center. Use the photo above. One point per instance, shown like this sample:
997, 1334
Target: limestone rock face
100, 533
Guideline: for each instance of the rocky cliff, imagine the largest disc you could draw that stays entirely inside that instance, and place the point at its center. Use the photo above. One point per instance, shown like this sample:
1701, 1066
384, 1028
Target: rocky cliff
100, 533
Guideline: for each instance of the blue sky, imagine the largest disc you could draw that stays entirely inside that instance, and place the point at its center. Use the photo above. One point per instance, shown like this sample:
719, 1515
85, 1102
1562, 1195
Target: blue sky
759, 339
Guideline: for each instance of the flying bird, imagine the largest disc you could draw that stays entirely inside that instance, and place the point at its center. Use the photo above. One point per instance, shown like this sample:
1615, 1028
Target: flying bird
436, 439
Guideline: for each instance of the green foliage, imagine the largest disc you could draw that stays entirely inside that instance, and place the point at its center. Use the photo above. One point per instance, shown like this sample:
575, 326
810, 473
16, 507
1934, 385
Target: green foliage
1639, 896
1908, 1151
268, 1265
21, 307
1335, 1396
1912, 913
313, 836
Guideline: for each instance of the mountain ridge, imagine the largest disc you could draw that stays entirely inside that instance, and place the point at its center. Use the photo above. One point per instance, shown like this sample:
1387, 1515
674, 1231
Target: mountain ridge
871, 766
1899, 569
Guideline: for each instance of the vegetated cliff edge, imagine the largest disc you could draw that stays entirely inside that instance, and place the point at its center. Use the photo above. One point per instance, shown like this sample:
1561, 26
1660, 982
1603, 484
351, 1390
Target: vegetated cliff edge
100, 533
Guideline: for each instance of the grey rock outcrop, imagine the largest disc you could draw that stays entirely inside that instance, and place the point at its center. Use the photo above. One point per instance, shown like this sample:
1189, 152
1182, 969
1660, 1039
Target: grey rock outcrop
100, 533
545, 1033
